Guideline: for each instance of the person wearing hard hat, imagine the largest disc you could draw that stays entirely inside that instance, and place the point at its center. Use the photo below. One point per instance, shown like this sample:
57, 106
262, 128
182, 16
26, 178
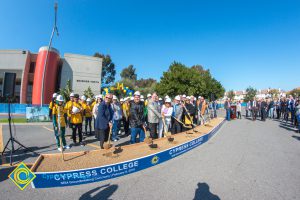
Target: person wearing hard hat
76, 112
116, 118
68, 107
87, 113
137, 119
177, 116
59, 122
52, 104
154, 115
104, 119
166, 113
188, 113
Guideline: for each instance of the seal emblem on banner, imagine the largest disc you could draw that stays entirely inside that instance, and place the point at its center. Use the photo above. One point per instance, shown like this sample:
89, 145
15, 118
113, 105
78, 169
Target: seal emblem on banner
154, 160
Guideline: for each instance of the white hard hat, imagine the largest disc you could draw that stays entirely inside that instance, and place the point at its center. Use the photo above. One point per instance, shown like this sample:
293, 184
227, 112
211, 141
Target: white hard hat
159, 98
72, 94
83, 98
184, 96
75, 109
88, 99
137, 93
167, 97
115, 97
168, 100
59, 98
100, 96
142, 99
177, 98
148, 95
199, 97
142, 96
188, 97
54, 95
121, 100
131, 98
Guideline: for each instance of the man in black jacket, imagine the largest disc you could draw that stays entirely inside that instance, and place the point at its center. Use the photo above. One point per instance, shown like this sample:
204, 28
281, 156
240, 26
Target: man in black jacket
136, 118
189, 112
263, 107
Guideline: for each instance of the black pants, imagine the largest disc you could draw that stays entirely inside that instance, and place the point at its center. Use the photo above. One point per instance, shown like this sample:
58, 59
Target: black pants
126, 126
76, 127
239, 116
88, 122
176, 126
263, 114
254, 113
103, 136
153, 130
277, 113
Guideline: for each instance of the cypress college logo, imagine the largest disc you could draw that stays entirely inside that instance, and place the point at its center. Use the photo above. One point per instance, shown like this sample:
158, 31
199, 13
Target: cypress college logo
21, 176
154, 160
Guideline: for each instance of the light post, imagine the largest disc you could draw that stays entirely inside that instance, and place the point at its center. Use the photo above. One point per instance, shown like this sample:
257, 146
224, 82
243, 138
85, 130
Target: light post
49, 47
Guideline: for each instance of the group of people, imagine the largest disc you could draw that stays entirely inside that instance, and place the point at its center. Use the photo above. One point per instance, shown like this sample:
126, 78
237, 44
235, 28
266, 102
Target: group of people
153, 114
136, 114
285, 108
71, 114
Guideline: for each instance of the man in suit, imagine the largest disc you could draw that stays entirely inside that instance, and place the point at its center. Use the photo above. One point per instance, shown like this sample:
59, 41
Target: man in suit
291, 107
227, 107
153, 115
263, 108
254, 105
104, 119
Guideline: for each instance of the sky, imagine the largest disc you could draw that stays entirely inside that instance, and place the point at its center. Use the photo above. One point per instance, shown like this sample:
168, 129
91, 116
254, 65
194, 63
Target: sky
243, 43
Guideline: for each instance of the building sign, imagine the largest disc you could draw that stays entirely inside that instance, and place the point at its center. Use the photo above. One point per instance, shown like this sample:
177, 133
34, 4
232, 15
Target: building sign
76, 177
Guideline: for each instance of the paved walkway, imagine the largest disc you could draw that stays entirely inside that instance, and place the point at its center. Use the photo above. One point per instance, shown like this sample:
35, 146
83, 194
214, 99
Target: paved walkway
244, 160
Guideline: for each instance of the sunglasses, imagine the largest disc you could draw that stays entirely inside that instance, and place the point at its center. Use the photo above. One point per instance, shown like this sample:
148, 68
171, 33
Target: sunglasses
107, 98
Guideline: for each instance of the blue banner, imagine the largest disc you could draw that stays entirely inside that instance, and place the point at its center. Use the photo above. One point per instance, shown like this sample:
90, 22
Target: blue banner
76, 177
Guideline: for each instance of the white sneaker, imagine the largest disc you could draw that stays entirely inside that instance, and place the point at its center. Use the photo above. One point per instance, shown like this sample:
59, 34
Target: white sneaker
59, 149
67, 147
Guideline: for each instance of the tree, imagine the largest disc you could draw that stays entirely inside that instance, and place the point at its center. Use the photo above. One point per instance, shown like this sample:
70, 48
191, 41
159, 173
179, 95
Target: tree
180, 79
250, 94
88, 93
294, 92
129, 73
108, 69
65, 92
274, 93
230, 94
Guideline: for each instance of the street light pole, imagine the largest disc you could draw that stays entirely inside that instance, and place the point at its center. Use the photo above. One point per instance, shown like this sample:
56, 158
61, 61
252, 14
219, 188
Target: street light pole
49, 47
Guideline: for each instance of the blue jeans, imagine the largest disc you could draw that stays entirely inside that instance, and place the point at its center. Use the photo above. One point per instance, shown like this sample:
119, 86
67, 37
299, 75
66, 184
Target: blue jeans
115, 129
228, 114
271, 111
135, 132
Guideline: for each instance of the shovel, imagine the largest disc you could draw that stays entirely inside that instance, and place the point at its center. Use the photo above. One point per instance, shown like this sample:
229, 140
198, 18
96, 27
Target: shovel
108, 145
167, 134
148, 140
185, 126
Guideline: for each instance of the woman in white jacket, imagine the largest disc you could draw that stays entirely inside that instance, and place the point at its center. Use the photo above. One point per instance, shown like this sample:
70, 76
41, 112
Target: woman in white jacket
166, 113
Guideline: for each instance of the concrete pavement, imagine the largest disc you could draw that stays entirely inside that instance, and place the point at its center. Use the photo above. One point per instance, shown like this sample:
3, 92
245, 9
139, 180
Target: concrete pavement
244, 160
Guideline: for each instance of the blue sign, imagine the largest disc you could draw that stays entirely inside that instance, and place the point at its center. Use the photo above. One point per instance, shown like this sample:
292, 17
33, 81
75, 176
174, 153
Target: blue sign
77, 177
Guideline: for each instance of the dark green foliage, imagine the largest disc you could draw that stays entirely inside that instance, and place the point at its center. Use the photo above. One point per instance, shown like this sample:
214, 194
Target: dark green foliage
180, 79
